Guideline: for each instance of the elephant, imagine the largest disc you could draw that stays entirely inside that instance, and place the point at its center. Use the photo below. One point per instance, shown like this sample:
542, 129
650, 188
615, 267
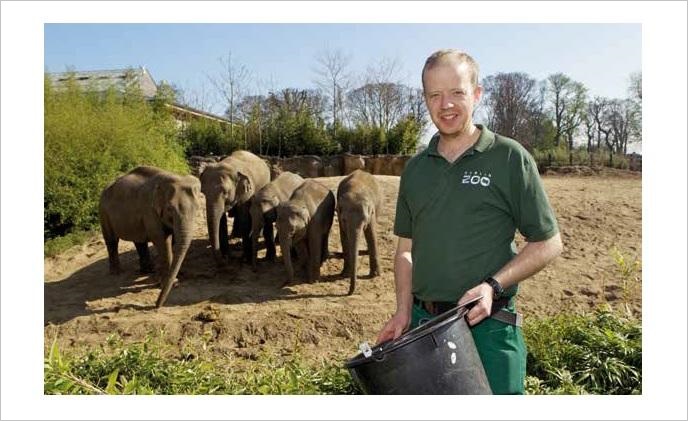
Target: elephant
150, 204
304, 222
264, 210
229, 185
358, 204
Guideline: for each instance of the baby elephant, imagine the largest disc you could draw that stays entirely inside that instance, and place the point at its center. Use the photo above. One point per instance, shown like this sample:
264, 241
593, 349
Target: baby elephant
264, 210
358, 204
304, 222
150, 204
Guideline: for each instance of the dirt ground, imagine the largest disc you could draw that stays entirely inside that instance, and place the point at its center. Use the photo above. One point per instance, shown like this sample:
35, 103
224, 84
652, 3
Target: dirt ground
242, 312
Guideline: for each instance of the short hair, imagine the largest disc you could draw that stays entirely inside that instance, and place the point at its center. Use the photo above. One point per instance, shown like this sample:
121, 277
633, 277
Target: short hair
445, 55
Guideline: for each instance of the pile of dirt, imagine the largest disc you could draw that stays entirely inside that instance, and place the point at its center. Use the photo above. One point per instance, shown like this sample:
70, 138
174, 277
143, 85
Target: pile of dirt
242, 312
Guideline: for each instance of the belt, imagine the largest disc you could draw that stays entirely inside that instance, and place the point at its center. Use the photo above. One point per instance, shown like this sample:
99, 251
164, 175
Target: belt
498, 312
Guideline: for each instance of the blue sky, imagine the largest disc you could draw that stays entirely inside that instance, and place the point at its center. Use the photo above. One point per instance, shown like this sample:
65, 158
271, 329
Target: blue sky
600, 55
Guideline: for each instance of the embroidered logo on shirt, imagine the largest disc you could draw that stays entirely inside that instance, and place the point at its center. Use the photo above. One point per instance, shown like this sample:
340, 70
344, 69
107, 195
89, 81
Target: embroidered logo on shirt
476, 178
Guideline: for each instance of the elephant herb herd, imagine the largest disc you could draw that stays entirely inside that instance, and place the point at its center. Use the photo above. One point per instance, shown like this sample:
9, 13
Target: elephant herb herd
152, 205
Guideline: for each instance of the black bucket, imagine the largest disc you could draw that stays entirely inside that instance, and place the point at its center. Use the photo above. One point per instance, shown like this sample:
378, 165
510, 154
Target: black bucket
436, 358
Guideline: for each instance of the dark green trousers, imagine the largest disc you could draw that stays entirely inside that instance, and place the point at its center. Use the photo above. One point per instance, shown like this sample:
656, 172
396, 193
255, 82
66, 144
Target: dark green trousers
501, 348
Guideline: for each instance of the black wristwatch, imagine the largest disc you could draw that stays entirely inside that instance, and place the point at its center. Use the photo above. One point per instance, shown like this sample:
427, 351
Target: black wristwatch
496, 287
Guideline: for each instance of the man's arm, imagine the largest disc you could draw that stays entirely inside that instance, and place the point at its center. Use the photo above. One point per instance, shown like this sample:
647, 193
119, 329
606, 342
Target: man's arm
403, 264
529, 261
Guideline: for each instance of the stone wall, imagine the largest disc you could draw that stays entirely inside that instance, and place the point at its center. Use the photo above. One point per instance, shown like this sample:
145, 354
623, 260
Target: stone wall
310, 166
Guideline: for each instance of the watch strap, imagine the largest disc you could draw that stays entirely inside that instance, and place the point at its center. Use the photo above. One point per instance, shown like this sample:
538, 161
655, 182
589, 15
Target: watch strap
496, 286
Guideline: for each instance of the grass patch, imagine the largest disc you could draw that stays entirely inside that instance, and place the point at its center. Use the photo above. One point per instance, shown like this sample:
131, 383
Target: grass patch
152, 368
598, 353
57, 245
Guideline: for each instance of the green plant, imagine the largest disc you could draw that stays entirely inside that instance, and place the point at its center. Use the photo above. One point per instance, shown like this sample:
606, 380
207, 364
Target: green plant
295, 377
90, 139
150, 367
629, 271
599, 353
203, 137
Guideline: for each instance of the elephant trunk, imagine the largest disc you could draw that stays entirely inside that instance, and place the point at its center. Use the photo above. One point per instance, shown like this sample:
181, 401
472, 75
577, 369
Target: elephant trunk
355, 229
182, 235
285, 245
214, 212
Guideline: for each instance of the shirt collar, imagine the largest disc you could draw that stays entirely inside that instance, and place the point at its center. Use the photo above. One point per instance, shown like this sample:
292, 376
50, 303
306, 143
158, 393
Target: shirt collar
485, 140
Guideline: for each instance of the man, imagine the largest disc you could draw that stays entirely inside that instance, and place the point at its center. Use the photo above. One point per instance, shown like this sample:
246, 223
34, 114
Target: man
460, 202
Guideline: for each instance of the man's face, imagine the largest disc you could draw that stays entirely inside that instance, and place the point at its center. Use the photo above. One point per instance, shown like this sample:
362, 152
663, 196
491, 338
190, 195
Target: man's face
450, 97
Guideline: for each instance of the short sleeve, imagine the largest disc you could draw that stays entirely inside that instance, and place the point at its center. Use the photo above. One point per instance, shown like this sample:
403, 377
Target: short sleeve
402, 219
532, 213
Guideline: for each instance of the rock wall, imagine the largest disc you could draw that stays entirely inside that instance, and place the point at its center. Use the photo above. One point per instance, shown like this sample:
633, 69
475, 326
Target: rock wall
310, 166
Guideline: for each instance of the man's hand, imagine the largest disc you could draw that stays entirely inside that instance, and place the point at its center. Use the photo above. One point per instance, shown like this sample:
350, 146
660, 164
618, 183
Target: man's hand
483, 307
394, 327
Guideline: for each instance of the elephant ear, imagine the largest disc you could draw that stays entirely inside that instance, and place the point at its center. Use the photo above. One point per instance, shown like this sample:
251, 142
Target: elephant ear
244, 186
161, 196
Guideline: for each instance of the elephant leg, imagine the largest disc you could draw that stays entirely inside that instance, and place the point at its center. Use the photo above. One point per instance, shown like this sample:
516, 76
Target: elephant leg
371, 239
224, 237
247, 246
345, 248
324, 246
241, 227
113, 256
352, 255
256, 227
145, 261
326, 237
286, 255
301, 252
269, 236
111, 242
314, 256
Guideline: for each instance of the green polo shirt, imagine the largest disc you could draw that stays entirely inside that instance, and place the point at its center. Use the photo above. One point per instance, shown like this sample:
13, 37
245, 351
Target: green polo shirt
463, 216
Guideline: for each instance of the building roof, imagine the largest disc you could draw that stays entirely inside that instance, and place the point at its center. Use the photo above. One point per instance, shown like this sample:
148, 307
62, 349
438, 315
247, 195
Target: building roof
101, 80
177, 107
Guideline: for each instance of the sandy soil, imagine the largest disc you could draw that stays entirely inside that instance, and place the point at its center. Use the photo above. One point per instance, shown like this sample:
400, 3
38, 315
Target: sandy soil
242, 312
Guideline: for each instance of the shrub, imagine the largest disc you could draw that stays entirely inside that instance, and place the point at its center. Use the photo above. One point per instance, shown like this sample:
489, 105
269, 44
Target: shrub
203, 137
573, 354
559, 156
620, 162
403, 137
90, 139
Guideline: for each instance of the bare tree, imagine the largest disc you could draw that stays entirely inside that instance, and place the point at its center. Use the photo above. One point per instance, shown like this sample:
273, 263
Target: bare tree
576, 114
621, 116
511, 100
597, 110
379, 99
567, 103
334, 80
414, 105
231, 82
635, 89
